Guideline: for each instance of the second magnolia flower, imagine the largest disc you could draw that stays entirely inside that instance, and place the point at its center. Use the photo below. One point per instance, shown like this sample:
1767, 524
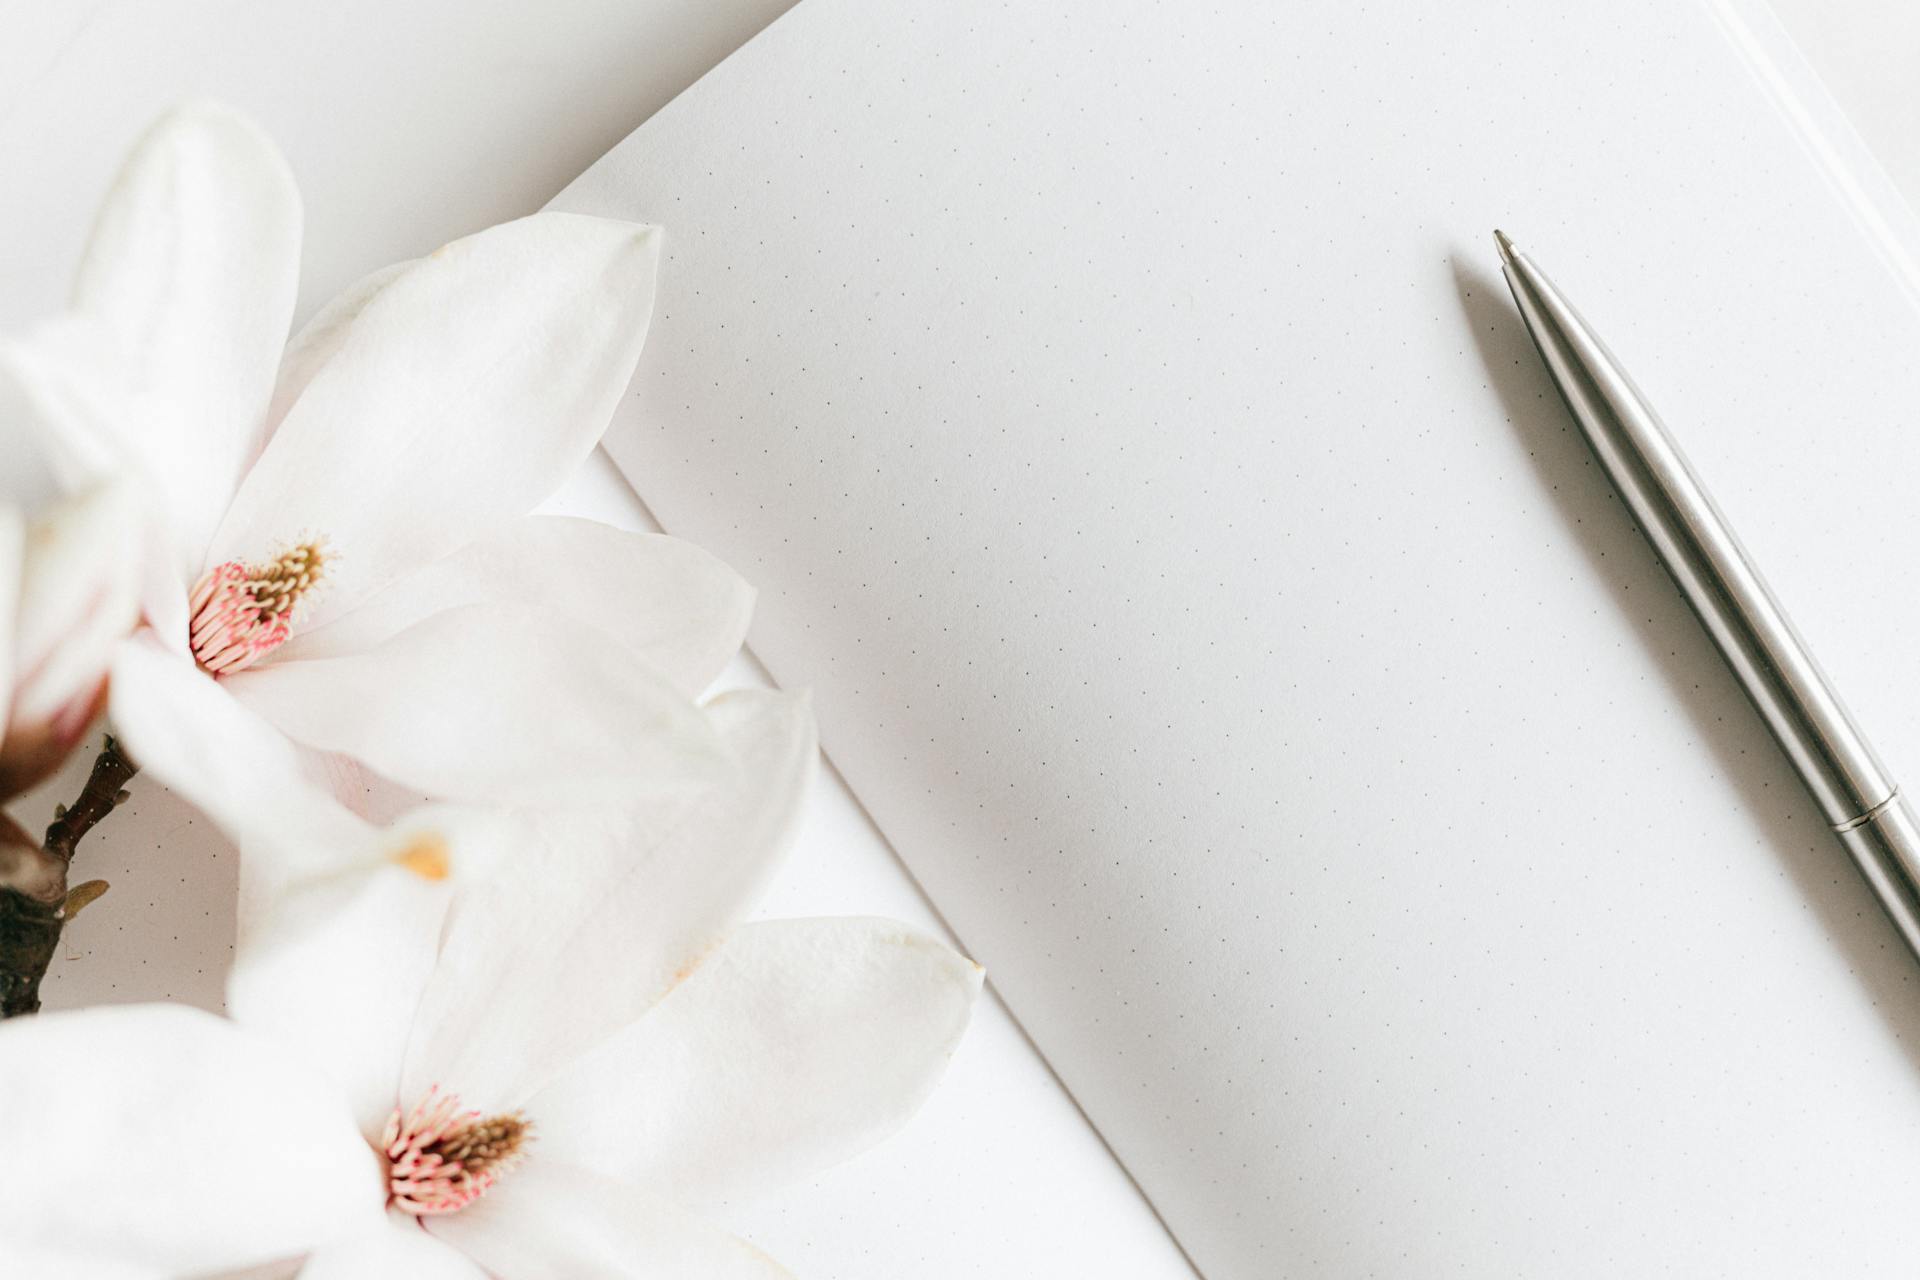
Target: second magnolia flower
532, 1067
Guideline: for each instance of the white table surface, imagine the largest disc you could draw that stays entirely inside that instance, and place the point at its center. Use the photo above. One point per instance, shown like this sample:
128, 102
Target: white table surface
408, 124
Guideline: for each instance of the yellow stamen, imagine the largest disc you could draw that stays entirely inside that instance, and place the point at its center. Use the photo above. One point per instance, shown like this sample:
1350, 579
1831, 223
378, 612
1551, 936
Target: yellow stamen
427, 856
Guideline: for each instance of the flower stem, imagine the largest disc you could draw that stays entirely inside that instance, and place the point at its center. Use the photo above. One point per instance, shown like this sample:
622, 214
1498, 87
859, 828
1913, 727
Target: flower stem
33, 891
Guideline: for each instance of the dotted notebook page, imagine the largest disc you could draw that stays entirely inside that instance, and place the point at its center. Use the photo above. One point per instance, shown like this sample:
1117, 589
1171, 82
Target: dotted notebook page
978, 1181
1208, 597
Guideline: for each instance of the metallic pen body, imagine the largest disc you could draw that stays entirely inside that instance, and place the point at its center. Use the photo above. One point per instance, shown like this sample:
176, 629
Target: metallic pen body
1694, 541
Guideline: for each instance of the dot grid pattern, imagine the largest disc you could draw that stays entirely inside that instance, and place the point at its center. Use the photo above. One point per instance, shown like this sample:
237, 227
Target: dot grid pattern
1208, 598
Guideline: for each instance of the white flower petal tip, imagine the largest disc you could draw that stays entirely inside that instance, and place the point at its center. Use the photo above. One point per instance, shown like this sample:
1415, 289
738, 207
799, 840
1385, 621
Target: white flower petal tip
799, 1044
659, 885
188, 282
213, 124
758, 721
168, 1138
444, 399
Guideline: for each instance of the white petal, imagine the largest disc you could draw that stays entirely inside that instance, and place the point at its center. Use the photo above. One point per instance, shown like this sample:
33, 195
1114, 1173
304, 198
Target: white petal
548, 1221
192, 271
320, 339
183, 729
281, 1269
494, 704
164, 1136
62, 394
13, 542
76, 584
397, 1249
79, 597
27, 753
28, 480
63, 388
675, 607
460, 395
334, 969
22, 1260
803, 1042
601, 914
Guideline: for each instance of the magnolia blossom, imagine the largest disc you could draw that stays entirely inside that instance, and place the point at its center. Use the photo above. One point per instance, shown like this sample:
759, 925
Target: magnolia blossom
68, 596
523, 1073
339, 528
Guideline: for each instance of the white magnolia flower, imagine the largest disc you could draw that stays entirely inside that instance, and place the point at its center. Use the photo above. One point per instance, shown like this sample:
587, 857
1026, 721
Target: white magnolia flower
69, 594
340, 526
524, 1077
274, 802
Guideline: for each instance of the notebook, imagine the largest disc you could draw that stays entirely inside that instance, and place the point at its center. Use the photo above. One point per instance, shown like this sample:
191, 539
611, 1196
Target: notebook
1207, 596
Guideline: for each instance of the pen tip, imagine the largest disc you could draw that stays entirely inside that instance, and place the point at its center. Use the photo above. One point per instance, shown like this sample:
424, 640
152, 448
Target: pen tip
1505, 245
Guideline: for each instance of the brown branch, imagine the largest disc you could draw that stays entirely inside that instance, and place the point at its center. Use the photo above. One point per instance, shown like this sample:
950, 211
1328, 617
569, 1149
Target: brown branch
33, 883
105, 789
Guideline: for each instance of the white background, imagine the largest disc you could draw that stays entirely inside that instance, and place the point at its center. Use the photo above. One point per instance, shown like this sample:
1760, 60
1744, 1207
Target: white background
409, 124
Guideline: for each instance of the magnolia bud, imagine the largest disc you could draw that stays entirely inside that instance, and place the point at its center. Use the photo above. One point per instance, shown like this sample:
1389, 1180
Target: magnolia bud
31, 752
69, 593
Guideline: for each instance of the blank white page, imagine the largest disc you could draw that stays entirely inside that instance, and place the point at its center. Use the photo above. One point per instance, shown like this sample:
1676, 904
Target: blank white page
1207, 595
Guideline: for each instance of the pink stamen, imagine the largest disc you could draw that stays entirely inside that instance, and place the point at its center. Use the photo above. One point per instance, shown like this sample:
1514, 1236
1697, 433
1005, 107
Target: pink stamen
240, 613
441, 1159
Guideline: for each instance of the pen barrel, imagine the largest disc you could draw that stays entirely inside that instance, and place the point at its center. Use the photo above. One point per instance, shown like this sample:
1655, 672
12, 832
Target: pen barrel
1886, 848
1719, 581
1711, 568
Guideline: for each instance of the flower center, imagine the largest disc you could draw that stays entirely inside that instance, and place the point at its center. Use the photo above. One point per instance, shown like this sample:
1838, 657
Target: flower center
242, 612
441, 1159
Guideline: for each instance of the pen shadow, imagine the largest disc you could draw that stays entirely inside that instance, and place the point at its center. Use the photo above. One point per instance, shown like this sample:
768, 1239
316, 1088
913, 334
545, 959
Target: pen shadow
1695, 675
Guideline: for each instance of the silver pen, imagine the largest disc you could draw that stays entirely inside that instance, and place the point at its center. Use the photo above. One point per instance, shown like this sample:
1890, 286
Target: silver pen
1847, 780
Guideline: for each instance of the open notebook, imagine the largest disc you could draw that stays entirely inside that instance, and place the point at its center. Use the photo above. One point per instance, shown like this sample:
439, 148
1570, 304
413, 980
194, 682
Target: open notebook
1205, 593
